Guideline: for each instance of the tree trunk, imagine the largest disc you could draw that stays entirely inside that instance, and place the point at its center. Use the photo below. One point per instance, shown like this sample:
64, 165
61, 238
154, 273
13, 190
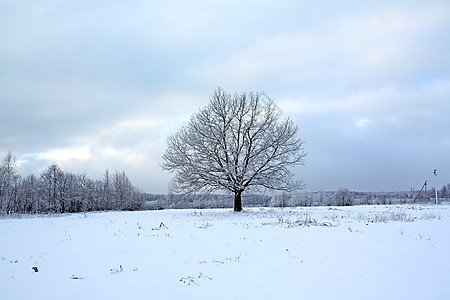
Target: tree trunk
237, 201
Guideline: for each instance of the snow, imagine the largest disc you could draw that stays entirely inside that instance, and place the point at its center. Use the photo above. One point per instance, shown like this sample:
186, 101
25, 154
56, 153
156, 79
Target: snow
360, 252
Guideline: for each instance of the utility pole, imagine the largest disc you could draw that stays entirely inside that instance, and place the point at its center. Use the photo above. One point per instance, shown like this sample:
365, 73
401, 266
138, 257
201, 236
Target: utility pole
435, 184
421, 189
425, 184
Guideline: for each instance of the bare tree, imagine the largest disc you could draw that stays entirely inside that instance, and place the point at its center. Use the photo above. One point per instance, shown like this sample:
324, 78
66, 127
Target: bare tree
236, 143
29, 195
52, 179
106, 190
343, 197
9, 180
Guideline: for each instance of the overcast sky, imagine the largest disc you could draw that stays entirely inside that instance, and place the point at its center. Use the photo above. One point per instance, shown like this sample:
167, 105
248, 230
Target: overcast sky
93, 85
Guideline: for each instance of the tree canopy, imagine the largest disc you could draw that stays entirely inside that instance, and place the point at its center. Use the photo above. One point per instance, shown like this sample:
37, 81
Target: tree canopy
237, 142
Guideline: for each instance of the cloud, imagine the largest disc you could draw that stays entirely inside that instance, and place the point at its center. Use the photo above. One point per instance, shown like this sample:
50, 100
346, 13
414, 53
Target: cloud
366, 50
103, 84
60, 155
363, 122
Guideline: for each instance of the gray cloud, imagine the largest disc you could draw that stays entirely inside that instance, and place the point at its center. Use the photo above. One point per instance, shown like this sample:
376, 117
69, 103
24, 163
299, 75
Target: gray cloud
102, 85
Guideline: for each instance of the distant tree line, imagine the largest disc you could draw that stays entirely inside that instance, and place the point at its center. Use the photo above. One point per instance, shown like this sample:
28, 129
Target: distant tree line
58, 191
341, 197
188, 201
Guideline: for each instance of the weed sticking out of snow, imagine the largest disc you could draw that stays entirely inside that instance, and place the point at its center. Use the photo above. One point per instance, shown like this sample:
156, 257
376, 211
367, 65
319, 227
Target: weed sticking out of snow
394, 216
114, 271
205, 225
386, 216
161, 226
188, 280
430, 216
300, 220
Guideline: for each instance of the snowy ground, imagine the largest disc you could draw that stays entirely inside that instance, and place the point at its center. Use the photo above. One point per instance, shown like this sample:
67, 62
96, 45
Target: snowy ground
362, 252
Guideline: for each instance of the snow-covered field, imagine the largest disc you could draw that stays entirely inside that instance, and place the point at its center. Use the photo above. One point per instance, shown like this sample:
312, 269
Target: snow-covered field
362, 252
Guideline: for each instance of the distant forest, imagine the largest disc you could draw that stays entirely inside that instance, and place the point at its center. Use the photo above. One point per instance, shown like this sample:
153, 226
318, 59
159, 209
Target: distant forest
341, 197
58, 191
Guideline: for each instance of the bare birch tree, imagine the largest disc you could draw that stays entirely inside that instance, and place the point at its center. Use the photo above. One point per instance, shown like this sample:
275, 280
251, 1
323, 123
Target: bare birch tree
9, 180
236, 143
52, 179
